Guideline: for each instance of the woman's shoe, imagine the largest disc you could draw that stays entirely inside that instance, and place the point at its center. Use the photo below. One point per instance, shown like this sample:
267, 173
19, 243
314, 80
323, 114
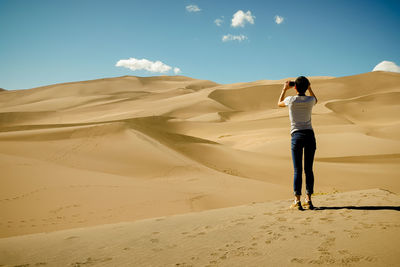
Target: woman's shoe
296, 205
308, 205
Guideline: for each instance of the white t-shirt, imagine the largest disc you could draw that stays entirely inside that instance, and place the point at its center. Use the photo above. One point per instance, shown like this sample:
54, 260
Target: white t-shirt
300, 108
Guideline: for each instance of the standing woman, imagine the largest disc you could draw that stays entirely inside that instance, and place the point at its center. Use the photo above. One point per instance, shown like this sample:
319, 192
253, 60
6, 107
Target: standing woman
303, 139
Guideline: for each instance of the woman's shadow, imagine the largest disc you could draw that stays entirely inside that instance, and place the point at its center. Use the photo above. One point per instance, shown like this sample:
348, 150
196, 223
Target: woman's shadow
359, 208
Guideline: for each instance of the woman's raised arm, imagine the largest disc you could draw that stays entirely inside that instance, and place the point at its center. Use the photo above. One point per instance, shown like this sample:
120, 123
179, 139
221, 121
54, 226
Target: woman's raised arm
312, 94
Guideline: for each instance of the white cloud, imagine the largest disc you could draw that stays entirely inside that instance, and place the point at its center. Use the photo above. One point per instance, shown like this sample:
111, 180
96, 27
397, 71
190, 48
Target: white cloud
177, 70
387, 66
240, 18
193, 8
218, 22
279, 19
230, 37
144, 64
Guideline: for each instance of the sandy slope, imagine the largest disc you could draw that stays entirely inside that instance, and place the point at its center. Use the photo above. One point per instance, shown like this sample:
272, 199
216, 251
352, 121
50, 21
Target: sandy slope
121, 149
359, 228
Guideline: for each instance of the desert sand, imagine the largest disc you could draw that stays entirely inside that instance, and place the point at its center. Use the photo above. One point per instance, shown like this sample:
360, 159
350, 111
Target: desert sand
259, 234
175, 171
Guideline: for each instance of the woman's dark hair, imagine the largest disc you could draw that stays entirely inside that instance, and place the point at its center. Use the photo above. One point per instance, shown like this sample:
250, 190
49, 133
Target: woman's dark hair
302, 84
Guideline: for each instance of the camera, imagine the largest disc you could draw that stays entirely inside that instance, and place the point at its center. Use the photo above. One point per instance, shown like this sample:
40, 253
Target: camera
291, 83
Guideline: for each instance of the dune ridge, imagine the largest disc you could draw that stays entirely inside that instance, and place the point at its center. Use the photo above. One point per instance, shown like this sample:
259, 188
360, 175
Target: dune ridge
129, 148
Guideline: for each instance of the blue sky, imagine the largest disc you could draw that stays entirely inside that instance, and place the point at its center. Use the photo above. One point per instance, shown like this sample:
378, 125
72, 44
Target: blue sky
45, 41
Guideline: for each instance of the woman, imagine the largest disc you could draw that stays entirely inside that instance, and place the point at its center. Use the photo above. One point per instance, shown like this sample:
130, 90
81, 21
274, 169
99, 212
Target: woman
303, 139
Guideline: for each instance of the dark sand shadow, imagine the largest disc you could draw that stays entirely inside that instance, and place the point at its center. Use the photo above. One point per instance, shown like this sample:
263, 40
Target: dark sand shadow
359, 208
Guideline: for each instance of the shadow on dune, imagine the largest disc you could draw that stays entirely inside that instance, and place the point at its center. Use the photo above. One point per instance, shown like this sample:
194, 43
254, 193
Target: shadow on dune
360, 208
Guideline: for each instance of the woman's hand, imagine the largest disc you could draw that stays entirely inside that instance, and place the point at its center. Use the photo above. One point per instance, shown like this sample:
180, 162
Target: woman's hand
286, 86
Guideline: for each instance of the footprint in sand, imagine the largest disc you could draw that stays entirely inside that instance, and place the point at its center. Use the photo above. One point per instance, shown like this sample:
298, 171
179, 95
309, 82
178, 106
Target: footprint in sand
325, 246
191, 235
323, 260
238, 220
352, 234
245, 251
90, 261
269, 232
276, 236
297, 260
350, 259
366, 225
282, 228
343, 252
326, 253
182, 264
223, 257
349, 217
198, 234
310, 232
356, 258
369, 258
71, 237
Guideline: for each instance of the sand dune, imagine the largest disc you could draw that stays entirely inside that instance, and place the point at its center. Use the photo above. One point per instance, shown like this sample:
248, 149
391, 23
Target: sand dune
375, 109
359, 228
105, 151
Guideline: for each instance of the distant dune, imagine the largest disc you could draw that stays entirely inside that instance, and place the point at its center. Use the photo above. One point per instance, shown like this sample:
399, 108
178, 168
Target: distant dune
83, 154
